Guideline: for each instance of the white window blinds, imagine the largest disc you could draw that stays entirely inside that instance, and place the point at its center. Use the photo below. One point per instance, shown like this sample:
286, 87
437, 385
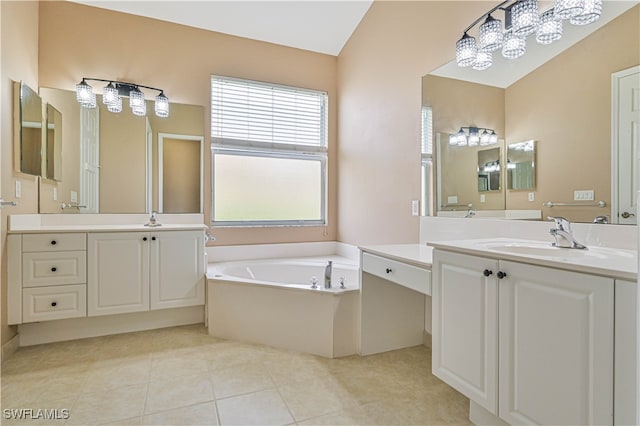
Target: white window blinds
252, 113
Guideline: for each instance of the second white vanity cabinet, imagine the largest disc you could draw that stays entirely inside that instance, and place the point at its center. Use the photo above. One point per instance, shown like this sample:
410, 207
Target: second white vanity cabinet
139, 271
530, 344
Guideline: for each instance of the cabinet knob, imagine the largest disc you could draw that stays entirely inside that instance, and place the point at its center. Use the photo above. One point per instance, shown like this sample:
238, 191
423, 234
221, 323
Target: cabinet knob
389, 270
487, 272
54, 242
153, 238
54, 304
501, 274
54, 269
144, 238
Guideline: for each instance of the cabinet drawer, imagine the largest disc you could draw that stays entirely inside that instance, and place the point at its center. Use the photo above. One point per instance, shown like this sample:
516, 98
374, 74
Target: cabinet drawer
53, 242
409, 276
54, 268
51, 303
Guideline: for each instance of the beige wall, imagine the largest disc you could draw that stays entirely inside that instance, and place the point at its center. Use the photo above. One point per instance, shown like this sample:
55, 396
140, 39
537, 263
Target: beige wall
19, 51
180, 60
456, 104
379, 82
566, 106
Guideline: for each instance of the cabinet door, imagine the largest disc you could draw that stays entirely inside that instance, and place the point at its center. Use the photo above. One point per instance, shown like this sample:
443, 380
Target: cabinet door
556, 346
465, 326
177, 269
117, 272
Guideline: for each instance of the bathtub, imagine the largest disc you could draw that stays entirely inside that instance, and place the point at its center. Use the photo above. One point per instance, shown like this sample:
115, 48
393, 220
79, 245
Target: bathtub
272, 302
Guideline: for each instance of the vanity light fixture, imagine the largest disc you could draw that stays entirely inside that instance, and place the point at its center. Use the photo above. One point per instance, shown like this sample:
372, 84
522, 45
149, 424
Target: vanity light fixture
473, 136
114, 91
521, 19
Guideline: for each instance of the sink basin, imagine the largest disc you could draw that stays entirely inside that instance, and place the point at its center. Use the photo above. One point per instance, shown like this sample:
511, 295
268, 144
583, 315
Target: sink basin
532, 248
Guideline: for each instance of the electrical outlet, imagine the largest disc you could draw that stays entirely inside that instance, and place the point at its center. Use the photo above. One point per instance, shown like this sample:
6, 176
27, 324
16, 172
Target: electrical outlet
532, 196
583, 195
415, 207
18, 189
55, 194
482, 198
74, 197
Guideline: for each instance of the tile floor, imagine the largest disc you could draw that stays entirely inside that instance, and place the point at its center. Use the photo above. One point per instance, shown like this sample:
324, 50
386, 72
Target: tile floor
182, 376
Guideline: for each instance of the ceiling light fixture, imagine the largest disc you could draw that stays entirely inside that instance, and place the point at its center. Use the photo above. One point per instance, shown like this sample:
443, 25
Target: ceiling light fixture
521, 18
114, 91
473, 136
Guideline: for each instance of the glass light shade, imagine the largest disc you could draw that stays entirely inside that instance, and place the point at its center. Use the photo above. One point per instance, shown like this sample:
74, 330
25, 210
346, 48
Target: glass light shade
484, 137
550, 28
490, 35
493, 138
115, 105
109, 94
565, 9
513, 46
466, 51
461, 138
136, 98
591, 13
139, 110
474, 138
162, 105
84, 94
453, 139
525, 17
483, 61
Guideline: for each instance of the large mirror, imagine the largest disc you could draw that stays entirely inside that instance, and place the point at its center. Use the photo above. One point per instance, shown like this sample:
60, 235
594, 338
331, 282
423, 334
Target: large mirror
28, 129
563, 104
112, 162
53, 170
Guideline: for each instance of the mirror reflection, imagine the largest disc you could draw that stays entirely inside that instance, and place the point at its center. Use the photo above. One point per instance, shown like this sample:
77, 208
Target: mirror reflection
565, 105
521, 165
29, 141
489, 170
54, 144
112, 162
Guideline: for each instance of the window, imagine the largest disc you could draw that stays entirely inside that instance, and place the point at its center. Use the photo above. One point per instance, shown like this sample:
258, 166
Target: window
427, 160
269, 153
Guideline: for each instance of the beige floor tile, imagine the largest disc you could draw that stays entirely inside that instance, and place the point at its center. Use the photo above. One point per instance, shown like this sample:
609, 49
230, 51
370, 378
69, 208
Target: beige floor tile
109, 406
313, 398
289, 367
118, 372
340, 418
135, 421
200, 414
176, 364
240, 379
260, 408
179, 392
229, 354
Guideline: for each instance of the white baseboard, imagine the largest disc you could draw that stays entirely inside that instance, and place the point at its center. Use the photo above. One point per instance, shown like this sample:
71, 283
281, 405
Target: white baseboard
10, 347
479, 416
80, 328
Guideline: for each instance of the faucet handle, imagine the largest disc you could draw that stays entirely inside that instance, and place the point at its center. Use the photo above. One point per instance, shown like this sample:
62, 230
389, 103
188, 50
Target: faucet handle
561, 222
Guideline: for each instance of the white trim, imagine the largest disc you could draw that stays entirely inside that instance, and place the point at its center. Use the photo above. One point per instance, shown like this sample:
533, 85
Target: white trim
149, 165
161, 137
615, 87
80, 328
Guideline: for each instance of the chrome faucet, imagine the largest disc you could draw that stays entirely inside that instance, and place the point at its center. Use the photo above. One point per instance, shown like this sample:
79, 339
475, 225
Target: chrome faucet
153, 219
563, 235
470, 213
327, 274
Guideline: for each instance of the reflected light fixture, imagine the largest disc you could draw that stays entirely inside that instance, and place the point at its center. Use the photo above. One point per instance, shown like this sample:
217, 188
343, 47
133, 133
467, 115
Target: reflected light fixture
473, 136
113, 93
521, 19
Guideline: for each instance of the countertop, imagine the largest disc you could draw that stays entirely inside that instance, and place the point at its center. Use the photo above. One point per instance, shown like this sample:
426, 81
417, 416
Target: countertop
610, 262
415, 254
104, 228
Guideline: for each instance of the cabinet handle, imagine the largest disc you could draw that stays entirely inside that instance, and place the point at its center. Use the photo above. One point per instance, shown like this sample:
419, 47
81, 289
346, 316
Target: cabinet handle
54, 304
501, 274
389, 270
487, 272
54, 269
153, 238
54, 242
144, 238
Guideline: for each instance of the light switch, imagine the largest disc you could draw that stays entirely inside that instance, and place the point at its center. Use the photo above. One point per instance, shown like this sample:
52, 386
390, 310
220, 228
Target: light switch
452, 199
18, 189
583, 195
55, 194
532, 196
415, 207
482, 198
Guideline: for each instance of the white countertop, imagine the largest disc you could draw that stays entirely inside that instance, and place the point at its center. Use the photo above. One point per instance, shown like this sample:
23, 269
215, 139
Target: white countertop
104, 228
416, 254
610, 262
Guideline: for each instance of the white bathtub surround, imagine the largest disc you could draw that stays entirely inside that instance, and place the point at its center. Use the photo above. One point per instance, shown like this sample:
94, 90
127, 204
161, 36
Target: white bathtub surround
443, 229
271, 302
284, 250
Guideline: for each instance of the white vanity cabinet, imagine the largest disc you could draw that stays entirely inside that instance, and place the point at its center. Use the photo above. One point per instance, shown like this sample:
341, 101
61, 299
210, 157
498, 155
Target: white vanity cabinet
551, 331
139, 271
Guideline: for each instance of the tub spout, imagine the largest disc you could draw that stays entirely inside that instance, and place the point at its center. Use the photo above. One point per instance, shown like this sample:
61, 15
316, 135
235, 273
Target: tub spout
327, 274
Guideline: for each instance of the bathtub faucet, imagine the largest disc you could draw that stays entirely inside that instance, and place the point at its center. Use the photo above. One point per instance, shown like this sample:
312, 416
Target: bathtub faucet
327, 274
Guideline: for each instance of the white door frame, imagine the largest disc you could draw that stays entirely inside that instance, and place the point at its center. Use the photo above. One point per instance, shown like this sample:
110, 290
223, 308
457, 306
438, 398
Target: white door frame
161, 137
615, 87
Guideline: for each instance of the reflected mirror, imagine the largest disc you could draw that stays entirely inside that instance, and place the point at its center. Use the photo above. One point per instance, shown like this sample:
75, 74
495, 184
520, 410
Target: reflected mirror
28, 128
521, 166
54, 144
112, 163
564, 104
489, 170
